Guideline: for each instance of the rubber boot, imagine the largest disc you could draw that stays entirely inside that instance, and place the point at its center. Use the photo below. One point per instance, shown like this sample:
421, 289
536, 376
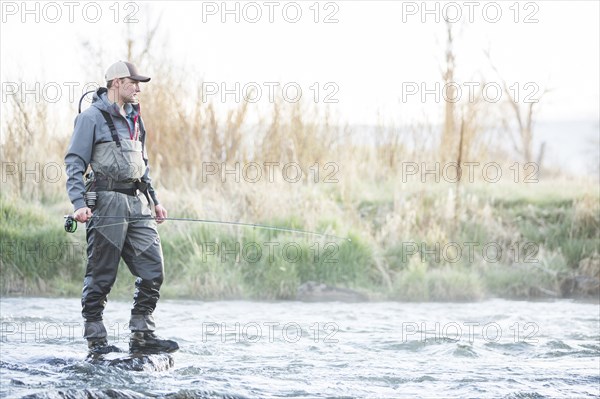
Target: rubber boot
100, 347
148, 342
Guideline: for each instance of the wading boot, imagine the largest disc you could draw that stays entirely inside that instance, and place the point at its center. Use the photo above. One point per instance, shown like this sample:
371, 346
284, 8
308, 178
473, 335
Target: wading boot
147, 342
100, 346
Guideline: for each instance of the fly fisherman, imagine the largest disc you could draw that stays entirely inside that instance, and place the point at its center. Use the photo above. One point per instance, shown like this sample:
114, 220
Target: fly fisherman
109, 137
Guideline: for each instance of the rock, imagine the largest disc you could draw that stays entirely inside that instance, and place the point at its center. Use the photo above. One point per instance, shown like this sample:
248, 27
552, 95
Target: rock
567, 286
582, 282
318, 292
87, 394
587, 286
588, 279
200, 394
135, 362
129, 394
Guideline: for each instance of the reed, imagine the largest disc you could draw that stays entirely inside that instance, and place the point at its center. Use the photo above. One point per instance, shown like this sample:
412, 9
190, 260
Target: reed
348, 185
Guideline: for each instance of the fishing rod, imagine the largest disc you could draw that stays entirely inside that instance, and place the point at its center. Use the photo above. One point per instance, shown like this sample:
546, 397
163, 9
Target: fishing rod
71, 225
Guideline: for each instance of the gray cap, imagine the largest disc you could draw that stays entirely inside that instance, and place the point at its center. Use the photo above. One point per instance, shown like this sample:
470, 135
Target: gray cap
123, 69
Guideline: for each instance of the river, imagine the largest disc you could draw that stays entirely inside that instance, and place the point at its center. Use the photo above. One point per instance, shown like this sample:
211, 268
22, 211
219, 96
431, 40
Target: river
490, 349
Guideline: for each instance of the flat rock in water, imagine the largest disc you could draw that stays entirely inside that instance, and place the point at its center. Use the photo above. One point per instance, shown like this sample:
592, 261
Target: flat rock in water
127, 394
135, 362
87, 394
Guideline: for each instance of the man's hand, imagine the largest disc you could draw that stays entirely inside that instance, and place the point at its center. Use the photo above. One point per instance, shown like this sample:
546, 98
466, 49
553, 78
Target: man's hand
82, 214
161, 213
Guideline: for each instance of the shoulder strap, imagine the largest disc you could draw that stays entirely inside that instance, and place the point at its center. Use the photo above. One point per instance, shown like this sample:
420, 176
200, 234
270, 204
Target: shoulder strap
142, 131
111, 126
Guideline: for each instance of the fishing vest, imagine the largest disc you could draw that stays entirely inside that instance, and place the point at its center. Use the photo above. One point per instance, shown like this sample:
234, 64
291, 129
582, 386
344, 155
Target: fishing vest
119, 160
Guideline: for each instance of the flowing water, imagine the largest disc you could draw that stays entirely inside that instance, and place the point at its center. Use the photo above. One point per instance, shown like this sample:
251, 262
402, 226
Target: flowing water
491, 349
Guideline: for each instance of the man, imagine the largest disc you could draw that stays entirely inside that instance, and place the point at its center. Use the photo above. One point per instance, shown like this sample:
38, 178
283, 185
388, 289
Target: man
109, 137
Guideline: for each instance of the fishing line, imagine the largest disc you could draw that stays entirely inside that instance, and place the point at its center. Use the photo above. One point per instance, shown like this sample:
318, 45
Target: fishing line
71, 225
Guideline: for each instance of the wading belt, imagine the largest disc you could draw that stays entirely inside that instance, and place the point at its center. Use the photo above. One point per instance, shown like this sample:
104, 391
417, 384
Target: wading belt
103, 183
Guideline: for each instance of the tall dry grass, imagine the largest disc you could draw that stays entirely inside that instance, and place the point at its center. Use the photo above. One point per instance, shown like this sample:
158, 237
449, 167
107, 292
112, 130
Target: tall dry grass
369, 195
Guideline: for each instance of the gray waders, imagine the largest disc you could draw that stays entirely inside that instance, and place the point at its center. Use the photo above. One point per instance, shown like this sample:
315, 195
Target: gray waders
118, 167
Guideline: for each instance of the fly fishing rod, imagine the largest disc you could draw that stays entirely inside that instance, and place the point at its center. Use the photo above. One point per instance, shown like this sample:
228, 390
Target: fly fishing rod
71, 225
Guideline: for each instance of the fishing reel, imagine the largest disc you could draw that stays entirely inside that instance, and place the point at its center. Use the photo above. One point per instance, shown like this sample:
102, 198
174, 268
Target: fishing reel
70, 224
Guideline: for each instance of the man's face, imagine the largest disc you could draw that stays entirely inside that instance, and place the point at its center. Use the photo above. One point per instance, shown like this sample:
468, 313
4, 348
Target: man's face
128, 90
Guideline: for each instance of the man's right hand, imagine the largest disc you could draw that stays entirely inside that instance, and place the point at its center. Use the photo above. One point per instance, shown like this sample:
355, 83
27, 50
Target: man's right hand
82, 214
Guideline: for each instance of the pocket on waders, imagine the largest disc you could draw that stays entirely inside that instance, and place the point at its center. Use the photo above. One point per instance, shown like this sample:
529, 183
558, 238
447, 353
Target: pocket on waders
133, 165
105, 160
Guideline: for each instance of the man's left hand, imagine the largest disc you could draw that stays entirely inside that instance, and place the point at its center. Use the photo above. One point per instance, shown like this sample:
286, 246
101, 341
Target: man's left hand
161, 213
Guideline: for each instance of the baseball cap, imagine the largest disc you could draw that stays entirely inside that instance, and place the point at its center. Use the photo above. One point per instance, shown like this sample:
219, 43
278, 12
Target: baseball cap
123, 69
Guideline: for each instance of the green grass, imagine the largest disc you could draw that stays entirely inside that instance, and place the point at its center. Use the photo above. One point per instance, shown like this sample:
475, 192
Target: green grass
418, 283
36, 254
525, 280
541, 239
208, 263
556, 225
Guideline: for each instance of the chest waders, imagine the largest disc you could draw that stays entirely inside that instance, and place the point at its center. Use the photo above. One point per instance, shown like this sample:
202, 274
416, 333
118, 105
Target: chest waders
114, 191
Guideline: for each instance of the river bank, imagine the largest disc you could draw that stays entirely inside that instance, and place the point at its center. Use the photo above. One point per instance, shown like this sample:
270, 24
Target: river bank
408, 246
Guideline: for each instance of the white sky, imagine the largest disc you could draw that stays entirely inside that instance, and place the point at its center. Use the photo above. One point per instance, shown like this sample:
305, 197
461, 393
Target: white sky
368, 54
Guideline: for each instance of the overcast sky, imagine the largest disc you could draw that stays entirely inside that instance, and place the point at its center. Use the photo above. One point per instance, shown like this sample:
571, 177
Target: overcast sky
366, 56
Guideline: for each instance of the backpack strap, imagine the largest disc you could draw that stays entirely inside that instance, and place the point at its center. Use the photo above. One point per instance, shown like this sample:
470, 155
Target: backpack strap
111, 126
